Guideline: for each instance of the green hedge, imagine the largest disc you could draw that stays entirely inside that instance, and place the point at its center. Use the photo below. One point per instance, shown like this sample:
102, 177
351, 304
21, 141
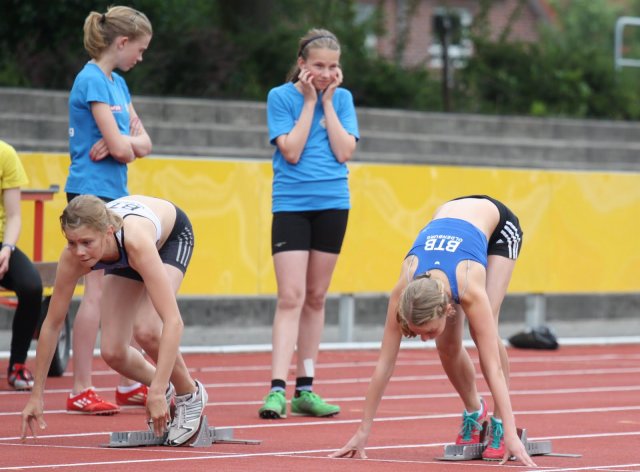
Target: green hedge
240, 49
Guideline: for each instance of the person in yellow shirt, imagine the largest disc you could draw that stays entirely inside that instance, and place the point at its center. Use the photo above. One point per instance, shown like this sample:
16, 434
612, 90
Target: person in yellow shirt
17, 272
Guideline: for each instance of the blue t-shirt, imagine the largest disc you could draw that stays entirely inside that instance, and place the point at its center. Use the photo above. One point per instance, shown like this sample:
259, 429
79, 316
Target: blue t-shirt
318, 181
107, 177
444, 243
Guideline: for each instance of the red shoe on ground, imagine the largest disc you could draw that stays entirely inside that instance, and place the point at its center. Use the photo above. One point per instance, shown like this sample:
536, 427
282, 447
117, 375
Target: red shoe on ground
136, 397
472, 425
20, 377
88, 402
495, 446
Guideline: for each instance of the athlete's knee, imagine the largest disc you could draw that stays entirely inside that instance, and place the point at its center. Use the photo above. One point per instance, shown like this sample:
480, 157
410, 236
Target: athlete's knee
290, 299
148, 337
115, 355
315, 300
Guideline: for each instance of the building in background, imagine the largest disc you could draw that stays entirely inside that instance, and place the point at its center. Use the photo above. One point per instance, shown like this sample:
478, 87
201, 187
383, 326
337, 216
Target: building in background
412, 36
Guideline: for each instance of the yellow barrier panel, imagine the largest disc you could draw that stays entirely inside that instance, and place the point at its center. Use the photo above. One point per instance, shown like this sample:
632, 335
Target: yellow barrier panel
580, 228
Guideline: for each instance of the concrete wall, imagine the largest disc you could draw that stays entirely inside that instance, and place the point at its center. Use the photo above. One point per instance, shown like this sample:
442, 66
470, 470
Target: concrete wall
34, 120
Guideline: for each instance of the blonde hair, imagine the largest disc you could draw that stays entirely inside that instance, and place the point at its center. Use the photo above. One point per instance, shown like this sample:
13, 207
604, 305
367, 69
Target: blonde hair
101, 29
423, 299
316, 38
90, 211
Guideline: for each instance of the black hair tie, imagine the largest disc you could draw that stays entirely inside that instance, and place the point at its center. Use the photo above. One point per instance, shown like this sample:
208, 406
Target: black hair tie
310, 40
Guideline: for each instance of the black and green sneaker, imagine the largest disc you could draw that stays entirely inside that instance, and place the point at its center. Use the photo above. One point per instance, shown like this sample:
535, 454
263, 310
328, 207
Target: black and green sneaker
310, 404
275, 406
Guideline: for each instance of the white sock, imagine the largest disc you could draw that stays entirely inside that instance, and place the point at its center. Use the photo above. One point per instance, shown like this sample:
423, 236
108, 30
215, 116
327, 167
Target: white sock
480, 411
128, 388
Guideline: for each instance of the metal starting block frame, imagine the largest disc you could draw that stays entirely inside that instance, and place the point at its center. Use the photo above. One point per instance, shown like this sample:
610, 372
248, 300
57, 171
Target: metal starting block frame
205, 437
456, 452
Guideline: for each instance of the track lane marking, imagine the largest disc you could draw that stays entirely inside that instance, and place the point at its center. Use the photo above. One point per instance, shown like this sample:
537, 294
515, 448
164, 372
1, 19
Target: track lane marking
314, 451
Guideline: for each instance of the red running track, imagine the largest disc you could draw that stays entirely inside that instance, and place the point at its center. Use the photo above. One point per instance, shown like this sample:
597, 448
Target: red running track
585, 399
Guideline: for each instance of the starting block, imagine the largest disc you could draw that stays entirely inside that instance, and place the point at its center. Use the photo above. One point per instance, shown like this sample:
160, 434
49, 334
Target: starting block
205, 437
456, 452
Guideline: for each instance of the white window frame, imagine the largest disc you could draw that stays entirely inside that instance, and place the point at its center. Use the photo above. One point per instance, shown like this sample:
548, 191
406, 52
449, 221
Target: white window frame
458, 53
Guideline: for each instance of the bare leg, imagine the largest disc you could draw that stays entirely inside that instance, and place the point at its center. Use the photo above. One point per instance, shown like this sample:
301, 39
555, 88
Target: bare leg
132, 305
85, 331
457, 363
124, 381
499, 270
148, 331
122, 301
291, 270
319, 273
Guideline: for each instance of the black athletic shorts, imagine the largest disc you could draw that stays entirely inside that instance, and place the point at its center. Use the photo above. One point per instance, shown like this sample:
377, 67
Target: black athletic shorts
176, 251
506, 239
321, 230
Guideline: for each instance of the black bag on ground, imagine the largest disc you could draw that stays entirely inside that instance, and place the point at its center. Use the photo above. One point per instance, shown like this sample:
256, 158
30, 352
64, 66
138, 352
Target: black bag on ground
540, 337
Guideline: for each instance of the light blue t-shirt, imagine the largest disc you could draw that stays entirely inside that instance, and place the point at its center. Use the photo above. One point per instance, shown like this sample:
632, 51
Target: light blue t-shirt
318, 181
107, 177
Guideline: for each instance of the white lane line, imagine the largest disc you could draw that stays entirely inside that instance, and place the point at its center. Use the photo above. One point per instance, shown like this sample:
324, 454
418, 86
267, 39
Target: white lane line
310, 452
365, 346
329, 422
600, 468
396, 378
425, 396
513, 359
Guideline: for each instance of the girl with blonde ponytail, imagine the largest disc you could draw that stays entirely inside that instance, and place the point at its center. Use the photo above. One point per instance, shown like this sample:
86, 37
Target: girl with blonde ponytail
459, 265
144, 245
106, 135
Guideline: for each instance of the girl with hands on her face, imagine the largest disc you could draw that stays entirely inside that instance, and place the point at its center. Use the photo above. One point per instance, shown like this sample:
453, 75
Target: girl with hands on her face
313, 126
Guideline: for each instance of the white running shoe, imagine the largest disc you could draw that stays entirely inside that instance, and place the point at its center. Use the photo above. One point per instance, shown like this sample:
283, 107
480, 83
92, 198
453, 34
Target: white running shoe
189, 410
169, 395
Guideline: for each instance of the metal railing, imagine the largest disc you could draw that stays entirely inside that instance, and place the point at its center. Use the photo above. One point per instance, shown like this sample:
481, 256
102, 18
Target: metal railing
621, 61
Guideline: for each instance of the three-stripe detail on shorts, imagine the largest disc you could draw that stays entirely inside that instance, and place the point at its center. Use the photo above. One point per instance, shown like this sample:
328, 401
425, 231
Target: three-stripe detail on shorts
185, 246
512, 235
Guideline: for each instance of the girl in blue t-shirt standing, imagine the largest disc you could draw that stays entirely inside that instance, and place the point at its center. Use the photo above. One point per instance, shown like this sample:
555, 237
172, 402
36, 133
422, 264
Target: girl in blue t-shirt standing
312, 122
105, 135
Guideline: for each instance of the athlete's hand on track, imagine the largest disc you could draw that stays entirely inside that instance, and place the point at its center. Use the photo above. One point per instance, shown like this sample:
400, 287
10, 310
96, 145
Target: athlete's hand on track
514, 448
32, 418
354, 448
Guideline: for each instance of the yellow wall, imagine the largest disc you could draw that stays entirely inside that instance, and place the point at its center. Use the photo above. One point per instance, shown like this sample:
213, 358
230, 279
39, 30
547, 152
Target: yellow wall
581, 228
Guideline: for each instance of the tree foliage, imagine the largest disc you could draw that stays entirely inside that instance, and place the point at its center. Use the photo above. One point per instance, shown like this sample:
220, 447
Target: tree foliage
240, 49
568, 72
